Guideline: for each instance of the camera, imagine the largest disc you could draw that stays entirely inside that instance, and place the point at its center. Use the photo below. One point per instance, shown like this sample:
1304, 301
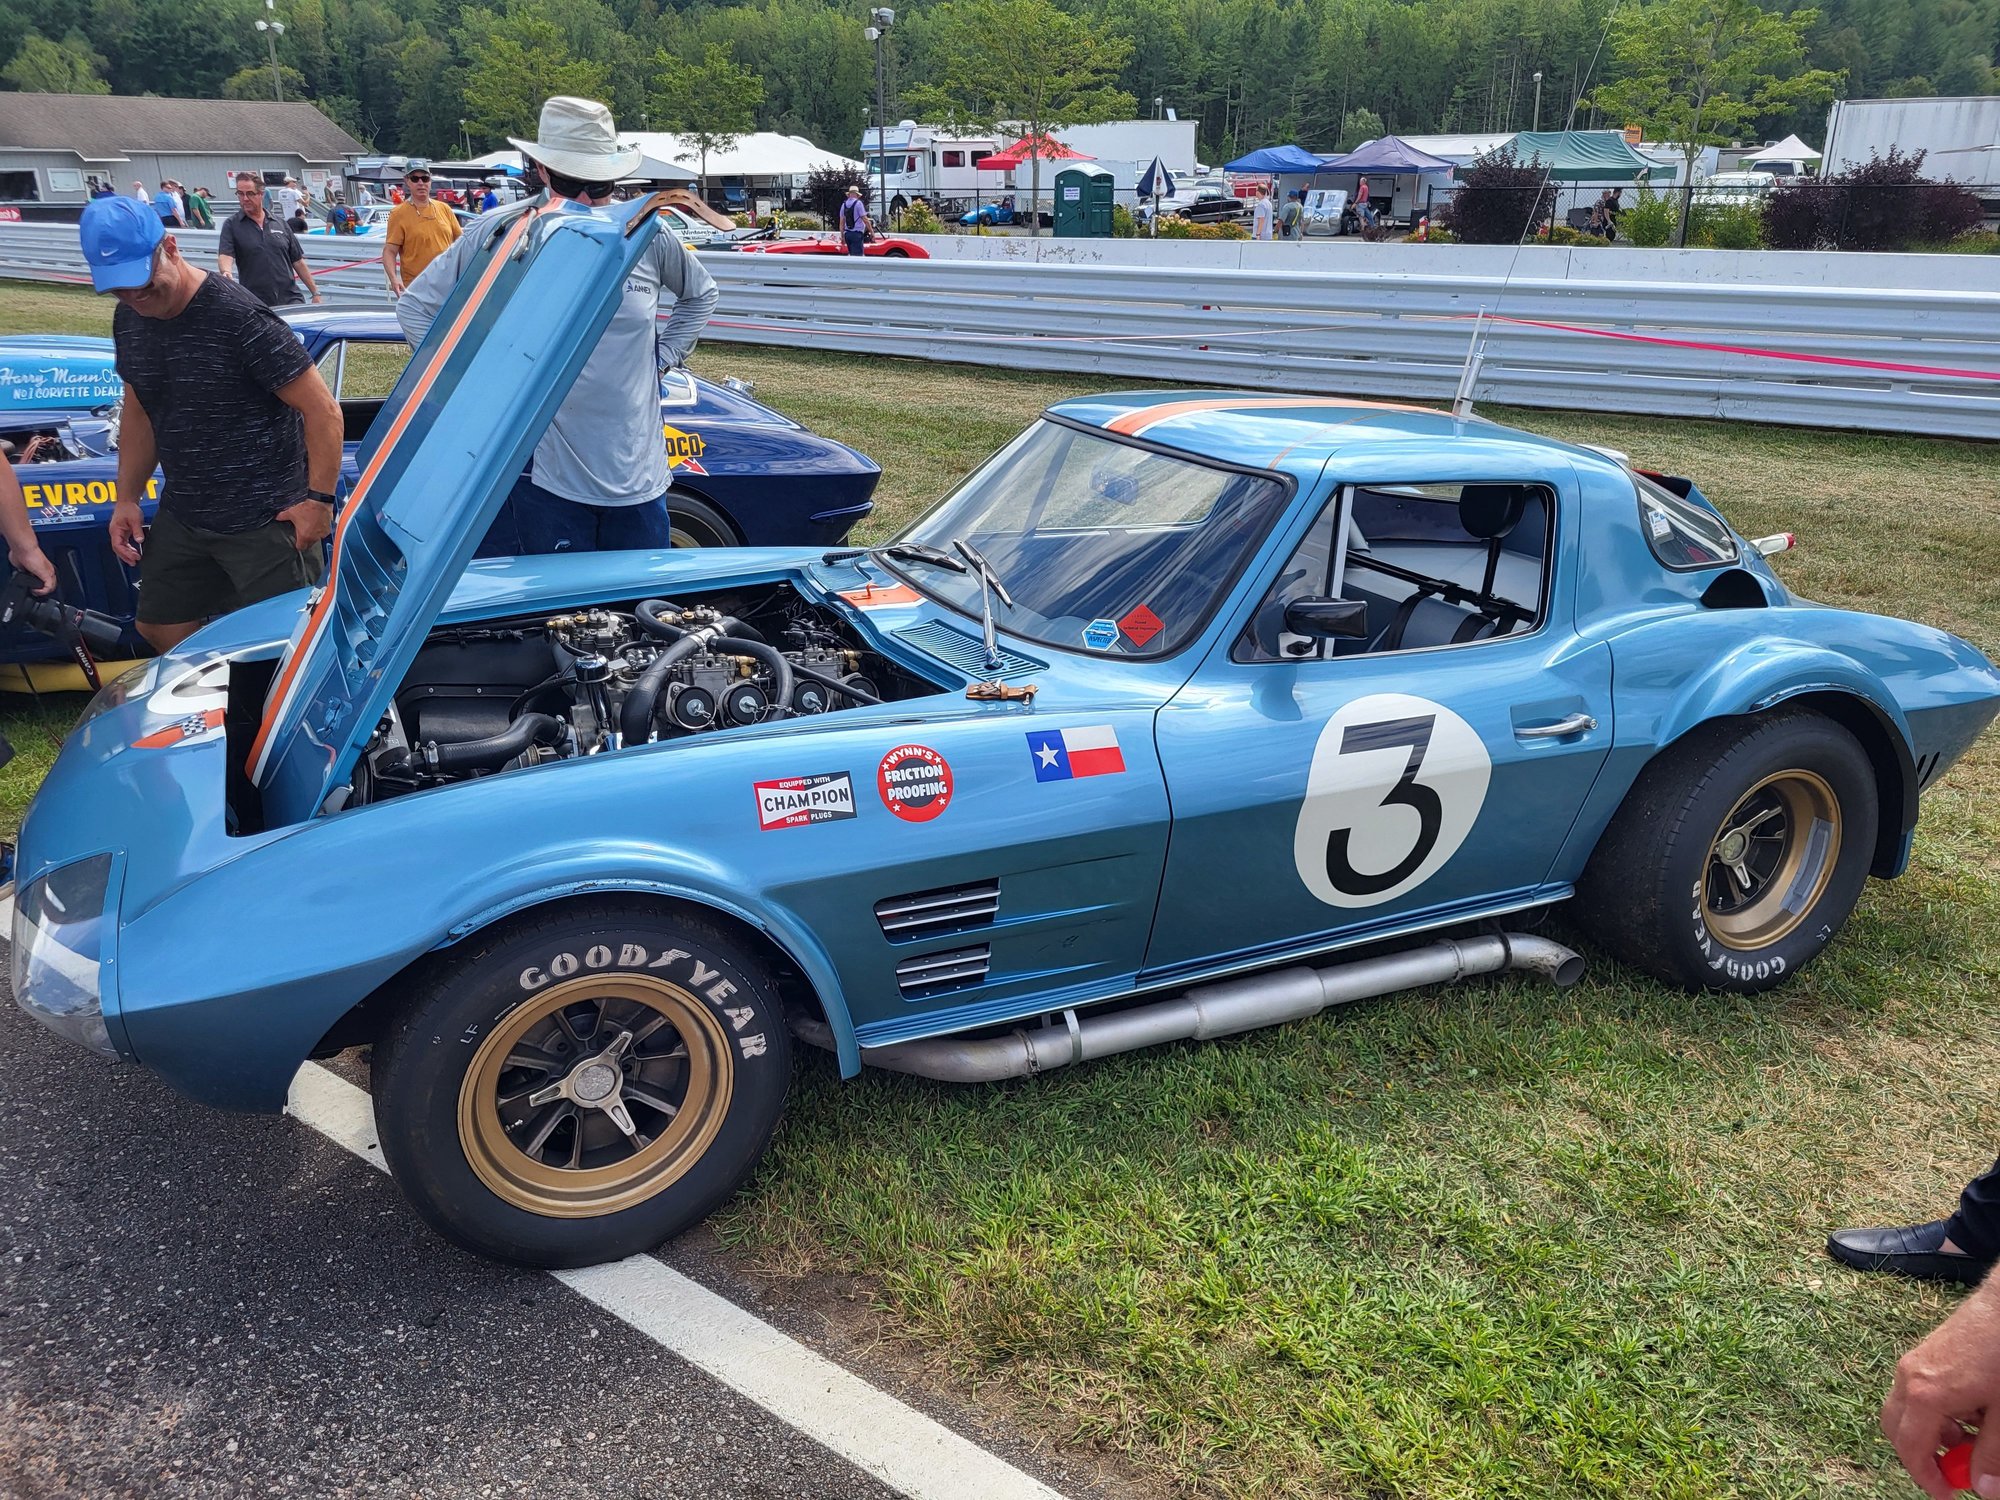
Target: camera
61, 622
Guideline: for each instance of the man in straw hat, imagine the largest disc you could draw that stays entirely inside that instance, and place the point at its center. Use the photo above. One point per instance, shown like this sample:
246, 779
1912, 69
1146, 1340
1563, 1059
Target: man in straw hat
600, 474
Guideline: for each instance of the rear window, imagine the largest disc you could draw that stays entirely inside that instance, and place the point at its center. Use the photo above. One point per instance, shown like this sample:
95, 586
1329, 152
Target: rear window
1682, 533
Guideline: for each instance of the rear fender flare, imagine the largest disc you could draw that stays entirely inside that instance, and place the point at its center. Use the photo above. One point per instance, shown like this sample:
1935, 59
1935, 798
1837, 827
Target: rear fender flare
1827, 683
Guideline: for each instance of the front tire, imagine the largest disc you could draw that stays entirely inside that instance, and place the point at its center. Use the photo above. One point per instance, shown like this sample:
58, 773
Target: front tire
1737, 855
582, 1086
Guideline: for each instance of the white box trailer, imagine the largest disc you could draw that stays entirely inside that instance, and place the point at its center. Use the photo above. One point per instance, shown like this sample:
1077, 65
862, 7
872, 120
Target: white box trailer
1172, 141
929, 162
1960, 137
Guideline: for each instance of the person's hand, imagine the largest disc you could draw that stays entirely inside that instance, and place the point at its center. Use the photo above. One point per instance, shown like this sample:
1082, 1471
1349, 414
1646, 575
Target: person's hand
1949, 1382
128, 531
317, 297
34, 562
310, 520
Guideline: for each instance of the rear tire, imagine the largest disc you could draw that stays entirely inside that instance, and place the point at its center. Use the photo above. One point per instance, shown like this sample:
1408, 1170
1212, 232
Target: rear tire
578, 1087
1737, 855
696, 523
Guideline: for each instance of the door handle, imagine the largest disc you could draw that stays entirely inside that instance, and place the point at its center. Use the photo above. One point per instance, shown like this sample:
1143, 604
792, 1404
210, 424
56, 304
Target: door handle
1574, 724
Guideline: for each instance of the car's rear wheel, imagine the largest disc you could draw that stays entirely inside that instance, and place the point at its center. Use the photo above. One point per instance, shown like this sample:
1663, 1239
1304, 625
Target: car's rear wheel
1738, 853
582, 1086
895, 255
695, 523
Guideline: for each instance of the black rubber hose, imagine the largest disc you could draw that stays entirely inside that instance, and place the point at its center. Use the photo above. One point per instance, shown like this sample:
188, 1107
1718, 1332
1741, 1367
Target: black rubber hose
770, 656
495, 749
812, 674
635, 719
647, 613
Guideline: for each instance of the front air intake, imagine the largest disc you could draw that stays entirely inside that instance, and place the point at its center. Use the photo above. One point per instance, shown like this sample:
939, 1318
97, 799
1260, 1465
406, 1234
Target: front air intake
930, 974
922, 914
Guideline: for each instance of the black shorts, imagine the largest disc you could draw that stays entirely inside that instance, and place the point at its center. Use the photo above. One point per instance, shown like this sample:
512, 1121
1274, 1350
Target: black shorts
187, 574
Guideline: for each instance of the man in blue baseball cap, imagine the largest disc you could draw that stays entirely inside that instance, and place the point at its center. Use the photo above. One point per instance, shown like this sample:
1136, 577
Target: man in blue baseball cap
220, 395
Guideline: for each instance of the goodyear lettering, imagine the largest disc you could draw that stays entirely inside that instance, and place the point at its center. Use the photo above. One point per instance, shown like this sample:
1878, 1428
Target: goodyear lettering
700, 976
563, 965
751, 1046
1720, 959
666, 958
741, 1016
597, 957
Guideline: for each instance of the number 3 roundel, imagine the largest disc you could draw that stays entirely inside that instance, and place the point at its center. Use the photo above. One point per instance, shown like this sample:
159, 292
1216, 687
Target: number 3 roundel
1395, 786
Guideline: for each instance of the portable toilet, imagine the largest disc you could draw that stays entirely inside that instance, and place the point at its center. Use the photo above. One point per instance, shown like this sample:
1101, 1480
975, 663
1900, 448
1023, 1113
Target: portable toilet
1083, 202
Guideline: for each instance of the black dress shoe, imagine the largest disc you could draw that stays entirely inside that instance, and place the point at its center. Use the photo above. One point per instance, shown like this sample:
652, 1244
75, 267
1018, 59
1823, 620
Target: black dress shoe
1913, 1250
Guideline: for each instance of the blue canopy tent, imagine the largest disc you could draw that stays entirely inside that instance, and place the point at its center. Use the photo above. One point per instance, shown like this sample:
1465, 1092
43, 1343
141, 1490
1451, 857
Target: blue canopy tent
1395, 158
1277, 160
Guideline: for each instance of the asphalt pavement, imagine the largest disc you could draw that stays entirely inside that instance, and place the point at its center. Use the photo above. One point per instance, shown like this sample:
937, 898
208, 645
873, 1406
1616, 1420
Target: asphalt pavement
202, 1304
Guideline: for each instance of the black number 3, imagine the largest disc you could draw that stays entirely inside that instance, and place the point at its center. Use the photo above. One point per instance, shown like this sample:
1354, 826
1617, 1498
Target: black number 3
1407, 792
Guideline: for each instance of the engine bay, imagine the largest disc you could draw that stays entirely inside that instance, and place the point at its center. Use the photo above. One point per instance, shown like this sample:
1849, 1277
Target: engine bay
500, 695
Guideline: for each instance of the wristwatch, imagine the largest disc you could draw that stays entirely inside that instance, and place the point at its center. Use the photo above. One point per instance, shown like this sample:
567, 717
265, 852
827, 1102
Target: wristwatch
320, 495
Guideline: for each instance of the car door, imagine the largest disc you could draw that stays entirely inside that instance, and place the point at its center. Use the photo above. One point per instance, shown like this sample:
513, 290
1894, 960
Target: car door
1331, 791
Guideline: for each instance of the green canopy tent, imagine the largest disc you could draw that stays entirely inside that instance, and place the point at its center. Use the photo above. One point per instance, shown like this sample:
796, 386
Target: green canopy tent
1581, 155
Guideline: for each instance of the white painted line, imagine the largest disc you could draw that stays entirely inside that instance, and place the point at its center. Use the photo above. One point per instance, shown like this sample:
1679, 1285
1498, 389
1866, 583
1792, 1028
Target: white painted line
869, 1428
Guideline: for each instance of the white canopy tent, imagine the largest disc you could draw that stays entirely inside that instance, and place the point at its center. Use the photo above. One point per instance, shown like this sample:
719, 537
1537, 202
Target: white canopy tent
1791, 148
649, 170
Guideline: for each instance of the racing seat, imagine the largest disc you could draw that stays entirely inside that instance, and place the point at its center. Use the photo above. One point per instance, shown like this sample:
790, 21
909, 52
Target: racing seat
1489, 513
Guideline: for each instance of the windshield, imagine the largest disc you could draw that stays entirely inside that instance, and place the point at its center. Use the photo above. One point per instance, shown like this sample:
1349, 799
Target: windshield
1105, 546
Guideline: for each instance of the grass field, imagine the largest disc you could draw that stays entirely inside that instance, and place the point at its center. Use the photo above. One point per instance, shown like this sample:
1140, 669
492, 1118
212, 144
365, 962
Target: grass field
1498, 1241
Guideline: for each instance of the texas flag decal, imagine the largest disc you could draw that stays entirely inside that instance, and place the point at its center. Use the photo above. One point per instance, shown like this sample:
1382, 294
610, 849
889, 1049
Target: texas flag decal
1064, 754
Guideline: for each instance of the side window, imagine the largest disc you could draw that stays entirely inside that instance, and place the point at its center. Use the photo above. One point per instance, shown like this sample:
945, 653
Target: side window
1682, 534
954, 158
1434, 564
373, 369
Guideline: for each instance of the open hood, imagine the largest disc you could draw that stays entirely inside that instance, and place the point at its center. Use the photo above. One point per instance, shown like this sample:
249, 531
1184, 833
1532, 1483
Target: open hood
435, 469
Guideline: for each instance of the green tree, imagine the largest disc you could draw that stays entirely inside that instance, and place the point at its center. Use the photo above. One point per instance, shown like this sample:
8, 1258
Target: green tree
515, 62
254, 82
1360, 126
710, 103
427, 118
65, 67
1704, 72
1027, 63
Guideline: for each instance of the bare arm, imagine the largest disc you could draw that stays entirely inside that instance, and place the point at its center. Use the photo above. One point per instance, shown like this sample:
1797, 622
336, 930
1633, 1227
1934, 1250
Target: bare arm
1949, 1382
301, 270
309, 397
226, 264
138, 454
390, 255
22, 548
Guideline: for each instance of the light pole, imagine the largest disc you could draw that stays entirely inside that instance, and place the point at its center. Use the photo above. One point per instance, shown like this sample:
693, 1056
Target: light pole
465, 141
884, 18
1159, 107
273, 29
1538, 101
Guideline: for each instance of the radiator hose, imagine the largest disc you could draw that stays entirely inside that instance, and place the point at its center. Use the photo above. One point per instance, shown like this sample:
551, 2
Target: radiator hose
496, 749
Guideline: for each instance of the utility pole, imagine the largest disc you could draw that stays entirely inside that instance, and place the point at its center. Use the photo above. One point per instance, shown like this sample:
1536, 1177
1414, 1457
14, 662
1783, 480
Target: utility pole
273, 29
1538, 102
884, 18
465, 141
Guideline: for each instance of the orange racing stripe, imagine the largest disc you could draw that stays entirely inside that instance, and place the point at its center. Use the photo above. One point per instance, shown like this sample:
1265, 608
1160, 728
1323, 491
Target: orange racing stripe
276, 702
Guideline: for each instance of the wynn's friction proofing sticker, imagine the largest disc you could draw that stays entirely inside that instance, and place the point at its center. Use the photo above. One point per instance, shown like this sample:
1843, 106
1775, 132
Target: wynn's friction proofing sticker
798, 801
915, 783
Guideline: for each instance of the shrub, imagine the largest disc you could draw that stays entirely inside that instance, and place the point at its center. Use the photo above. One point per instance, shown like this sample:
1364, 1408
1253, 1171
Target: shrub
826, 189
1978, 242
919, 218
1727, 226
1437, 236
787, 221
1886, 203
742, 220
1562, 234
1172, 228
1498, 197
1649, 220
1123, 225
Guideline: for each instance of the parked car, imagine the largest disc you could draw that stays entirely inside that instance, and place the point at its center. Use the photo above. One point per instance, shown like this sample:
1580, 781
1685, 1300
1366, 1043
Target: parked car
743, 474
1328, 213
1735, 187
1213, 208
374, 220
1142, 733
895, 246
990, 214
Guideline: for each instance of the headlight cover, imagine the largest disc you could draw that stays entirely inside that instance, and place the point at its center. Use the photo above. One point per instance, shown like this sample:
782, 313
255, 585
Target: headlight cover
133, 682
64, 926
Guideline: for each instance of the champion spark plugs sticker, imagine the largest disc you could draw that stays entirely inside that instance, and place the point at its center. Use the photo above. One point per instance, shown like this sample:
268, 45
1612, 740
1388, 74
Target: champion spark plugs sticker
915, 783
798, 801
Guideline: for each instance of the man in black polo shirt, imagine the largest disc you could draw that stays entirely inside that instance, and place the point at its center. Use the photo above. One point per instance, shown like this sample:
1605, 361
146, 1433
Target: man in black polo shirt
260, 251
219, 392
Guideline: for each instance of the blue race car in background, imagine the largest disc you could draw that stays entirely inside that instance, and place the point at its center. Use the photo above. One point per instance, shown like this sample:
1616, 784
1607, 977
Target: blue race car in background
1187, 713
743, 474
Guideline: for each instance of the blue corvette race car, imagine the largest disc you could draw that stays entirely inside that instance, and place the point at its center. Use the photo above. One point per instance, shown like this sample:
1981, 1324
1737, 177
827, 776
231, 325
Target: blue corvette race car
1186, 714
743, 474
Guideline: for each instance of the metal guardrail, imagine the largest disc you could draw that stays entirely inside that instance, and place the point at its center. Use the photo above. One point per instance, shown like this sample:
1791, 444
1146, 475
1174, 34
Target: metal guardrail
1915, 360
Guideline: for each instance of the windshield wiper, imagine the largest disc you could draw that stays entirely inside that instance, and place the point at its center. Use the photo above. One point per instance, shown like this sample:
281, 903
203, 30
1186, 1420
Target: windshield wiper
907, 551
989, 585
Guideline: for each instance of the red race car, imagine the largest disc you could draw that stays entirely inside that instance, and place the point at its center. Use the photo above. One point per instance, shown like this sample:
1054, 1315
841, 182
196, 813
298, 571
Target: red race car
829, 244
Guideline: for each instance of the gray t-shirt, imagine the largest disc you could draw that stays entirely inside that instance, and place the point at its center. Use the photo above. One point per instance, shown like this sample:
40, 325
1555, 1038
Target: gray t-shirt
604, 446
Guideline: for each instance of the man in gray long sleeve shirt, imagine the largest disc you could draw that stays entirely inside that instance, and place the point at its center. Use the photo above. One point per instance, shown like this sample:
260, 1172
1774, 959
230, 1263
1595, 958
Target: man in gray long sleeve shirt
600, 474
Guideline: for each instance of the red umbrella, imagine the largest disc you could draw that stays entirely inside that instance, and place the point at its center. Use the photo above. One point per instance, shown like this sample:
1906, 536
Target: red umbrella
1048, 148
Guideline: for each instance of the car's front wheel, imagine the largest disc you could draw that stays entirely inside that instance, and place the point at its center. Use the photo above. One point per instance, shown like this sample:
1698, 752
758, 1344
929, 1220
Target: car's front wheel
582, 1085
1737, 855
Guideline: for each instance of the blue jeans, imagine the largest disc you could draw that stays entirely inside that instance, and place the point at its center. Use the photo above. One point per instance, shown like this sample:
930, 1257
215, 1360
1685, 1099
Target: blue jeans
533, 522
857, 240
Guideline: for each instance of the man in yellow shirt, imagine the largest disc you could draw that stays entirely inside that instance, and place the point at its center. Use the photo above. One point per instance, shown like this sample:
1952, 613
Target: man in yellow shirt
420, 229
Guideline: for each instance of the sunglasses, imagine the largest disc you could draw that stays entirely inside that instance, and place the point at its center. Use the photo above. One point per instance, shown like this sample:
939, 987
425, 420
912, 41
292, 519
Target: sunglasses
416, 179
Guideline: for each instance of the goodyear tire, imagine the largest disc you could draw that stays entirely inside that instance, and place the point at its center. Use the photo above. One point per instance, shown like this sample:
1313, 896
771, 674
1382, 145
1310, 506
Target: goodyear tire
583, 1085
1737, 855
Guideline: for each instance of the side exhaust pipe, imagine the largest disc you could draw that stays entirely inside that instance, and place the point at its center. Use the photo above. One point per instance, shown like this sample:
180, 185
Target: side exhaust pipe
1211, 1010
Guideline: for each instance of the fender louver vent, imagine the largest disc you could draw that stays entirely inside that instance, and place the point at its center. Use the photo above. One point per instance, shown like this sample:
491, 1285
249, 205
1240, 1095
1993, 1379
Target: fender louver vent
934, 913
936, 973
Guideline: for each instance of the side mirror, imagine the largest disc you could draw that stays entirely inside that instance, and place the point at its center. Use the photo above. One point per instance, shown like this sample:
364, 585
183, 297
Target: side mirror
1340, 618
